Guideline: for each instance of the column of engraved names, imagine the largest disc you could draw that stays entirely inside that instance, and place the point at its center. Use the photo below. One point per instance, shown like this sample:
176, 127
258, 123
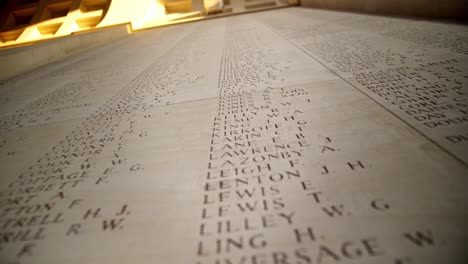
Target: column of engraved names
433, 95
252, 158
41, 198
41, 205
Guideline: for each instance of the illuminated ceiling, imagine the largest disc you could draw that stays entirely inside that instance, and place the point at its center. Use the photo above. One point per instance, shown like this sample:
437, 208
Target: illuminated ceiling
27, 21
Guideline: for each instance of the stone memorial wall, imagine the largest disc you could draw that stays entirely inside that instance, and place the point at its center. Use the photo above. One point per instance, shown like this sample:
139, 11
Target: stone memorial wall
289, 136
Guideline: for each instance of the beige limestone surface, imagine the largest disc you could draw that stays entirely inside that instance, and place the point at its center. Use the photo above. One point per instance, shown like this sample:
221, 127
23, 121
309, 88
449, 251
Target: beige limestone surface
274, 137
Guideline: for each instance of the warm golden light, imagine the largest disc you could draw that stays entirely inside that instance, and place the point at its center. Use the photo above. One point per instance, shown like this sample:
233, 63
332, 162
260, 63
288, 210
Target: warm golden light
25, 22
135, 12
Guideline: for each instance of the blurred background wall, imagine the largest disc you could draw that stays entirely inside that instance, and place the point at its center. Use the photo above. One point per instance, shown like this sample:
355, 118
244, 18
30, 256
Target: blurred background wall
453, 9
